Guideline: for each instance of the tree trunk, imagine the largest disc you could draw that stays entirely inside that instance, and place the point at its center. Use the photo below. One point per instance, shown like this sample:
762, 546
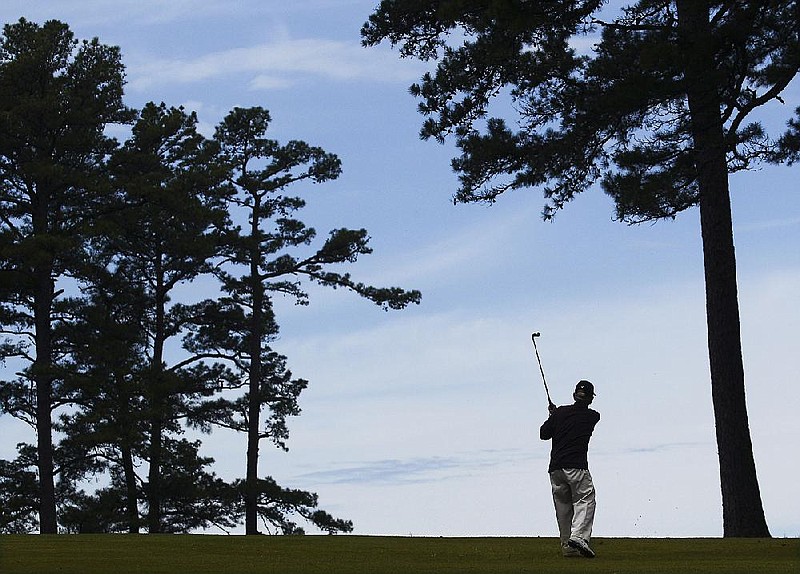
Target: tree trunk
44, 431
158, 396
131, 495
742, 511
154, 477
42, 372
127, 439
126, 426
253, 422
254, 390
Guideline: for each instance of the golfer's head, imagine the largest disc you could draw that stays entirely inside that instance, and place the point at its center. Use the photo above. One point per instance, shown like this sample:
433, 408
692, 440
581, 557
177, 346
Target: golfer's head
584, 392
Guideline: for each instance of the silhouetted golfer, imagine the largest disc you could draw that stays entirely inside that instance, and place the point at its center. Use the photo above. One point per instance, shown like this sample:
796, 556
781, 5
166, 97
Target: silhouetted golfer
570, 427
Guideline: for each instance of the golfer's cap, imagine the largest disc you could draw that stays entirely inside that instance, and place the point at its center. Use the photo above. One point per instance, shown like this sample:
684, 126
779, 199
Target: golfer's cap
584, 388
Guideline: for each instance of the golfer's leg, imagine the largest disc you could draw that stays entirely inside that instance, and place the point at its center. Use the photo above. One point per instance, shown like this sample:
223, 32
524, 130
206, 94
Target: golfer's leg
583, 502
562, 499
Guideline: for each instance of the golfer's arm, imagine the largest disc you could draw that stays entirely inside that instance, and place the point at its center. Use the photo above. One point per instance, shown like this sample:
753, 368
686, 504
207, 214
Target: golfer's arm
546, 430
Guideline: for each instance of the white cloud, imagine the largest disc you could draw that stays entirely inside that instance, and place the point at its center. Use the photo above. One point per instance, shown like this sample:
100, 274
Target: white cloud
279, 63
270, 82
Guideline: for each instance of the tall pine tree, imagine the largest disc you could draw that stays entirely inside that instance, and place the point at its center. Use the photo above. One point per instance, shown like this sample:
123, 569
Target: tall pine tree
162, 237
659, 113
57, 95
270, 254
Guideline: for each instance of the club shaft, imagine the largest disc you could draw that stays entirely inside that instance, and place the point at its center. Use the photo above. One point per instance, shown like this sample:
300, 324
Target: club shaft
541, 370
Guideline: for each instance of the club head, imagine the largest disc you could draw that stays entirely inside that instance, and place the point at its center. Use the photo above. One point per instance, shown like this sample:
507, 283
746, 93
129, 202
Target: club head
536, 334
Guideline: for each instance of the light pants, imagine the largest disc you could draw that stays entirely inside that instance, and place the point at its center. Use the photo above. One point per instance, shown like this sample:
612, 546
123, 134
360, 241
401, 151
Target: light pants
573, 495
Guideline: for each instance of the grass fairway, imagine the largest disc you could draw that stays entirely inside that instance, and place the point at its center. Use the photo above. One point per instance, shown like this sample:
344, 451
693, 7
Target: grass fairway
184, 554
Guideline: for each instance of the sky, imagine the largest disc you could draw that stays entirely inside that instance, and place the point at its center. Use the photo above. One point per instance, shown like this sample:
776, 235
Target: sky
424, 422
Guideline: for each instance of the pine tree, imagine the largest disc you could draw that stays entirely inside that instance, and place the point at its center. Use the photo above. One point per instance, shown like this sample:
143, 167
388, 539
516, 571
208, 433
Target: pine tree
161, 236
57, 95
261, 259
659, 113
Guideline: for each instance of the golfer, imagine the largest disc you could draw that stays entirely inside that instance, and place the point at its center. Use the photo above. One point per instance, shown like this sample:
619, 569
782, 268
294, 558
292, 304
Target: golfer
570, 428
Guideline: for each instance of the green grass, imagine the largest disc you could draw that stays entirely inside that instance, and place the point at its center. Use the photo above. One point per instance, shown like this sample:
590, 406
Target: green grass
107, 554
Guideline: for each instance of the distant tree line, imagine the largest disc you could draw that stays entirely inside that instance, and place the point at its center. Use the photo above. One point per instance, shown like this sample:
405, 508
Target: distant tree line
102, 356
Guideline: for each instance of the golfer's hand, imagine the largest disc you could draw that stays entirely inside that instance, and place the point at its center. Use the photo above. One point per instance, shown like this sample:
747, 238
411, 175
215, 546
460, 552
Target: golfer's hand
551, 408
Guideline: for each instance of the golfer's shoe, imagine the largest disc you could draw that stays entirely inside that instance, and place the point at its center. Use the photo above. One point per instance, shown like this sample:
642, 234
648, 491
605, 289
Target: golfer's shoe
581, 546
568, 552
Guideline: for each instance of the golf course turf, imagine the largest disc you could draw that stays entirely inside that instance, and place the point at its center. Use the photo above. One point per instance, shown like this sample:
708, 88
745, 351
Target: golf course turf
186, 554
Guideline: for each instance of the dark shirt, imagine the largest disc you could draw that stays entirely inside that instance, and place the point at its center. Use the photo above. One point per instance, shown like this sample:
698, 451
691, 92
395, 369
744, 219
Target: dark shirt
570, 427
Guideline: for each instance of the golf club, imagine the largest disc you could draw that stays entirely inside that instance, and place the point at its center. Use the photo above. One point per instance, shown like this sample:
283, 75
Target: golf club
541, 370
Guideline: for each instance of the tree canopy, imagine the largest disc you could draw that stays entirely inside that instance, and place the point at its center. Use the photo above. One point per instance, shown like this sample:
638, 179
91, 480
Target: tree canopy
114, 364
618, 115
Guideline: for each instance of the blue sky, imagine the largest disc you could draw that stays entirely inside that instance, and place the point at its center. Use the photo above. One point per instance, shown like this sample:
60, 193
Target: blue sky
425, 421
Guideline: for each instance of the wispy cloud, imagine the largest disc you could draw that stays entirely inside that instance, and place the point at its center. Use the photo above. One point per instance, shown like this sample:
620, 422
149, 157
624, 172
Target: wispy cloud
414, 470
387, 471
658, 448
280, 64
467, 247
